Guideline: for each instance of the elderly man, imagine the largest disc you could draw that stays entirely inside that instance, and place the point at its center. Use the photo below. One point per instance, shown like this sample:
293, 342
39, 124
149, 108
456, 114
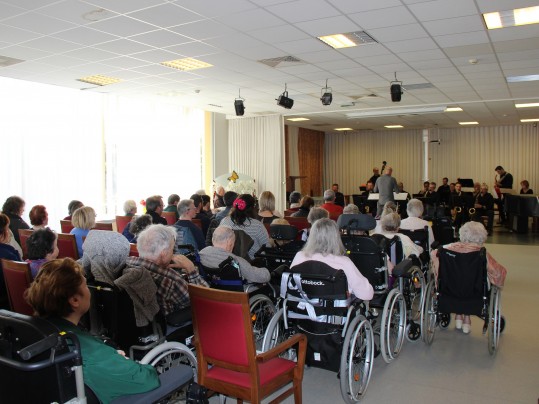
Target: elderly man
414, 221
154, 208
223, 243
156, 255
186, 230
484, 206
329, 204
385, 186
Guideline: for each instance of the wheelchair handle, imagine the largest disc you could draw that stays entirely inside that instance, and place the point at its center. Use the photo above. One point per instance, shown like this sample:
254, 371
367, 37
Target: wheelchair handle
39, 347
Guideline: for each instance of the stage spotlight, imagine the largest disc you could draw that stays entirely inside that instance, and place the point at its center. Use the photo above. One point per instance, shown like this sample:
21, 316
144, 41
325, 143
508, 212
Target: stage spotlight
238, 105
284, 101
327, 96
396, 89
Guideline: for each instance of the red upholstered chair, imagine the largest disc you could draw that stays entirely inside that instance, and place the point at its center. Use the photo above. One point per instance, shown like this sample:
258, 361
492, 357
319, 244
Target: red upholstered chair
170, 217
122, 222
18, 278
66, 226
107, 226
226, 355
23, 236
133, 251
67, 246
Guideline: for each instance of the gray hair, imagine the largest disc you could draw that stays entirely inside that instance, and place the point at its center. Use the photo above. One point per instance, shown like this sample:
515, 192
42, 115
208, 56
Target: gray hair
201, 192
415, 208
391, 222
350, 209
266, 201
129, 205
324, 238
329, 195
316, 214
221, 235
155, 239
184, 205
474, 233
389, 207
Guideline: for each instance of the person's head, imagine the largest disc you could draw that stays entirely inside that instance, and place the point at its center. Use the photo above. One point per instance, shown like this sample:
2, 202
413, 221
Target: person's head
173, 199
156, 244
139, 224
280, 220
370, 186
5, 234
316, 214
206, 202
39, 216
73, 206
388, 170
201, 192
306, 202
266, 202
476, 187
390, 222
524, 184
186, 209
350, 209
375, 170
154, 204
499, 170
59, 290
335, 188
329, 196
432, 186
197, 200
324, 238
426, 185
414, 208
84, 218
106, 251
130, 207
445, 180
484, 188
389, 207
42, 243
242, 209
401, 186
452, 187
473, 233
294, 197
229, 198
220, 190
458, 187
224, 238
14, 205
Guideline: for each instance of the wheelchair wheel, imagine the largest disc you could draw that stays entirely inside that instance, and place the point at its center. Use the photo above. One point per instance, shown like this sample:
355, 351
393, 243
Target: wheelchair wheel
429, 314
494, 320
393, 326
277, 333
356, 360
413, 331
262, 310
169, 355
445, 320
416, 294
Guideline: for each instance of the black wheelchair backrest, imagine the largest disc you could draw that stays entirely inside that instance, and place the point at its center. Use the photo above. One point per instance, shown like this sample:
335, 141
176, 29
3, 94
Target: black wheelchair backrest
226, 277
419, 236
319, 280
370, 258
283, 232
356, 222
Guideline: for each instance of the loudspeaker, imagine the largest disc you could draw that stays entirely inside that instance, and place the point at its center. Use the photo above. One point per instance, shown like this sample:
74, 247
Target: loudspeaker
326, 98
396, 92
239, 107
284, 101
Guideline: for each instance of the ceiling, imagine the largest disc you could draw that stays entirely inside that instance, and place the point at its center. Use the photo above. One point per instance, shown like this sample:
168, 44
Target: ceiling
440, 46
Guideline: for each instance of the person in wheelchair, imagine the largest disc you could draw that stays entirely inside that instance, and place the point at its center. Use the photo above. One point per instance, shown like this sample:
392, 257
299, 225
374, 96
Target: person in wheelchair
472, 237
325, 245
390, 224
60, 294
414, 220
223, 240
314, 215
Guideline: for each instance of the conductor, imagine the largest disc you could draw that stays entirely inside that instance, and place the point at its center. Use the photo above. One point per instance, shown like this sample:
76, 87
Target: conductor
385, 186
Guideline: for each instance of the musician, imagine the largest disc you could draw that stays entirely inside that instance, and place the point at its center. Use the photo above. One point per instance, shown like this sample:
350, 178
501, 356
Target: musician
444, 192
476, 189
385, 186
425, 189
503, 180
525, 188
460, 206
369, 188
375, 175
484, 206
339, 197
451, 190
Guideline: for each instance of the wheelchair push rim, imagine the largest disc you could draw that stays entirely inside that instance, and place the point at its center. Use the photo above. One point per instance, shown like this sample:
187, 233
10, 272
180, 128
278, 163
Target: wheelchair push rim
393, 326
494, 326
430, 314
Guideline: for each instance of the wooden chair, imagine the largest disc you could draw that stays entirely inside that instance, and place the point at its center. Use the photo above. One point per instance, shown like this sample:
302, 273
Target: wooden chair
226, 354
122, 222
198, 222
23, 236
107, 226
133, 250
299, 222
66, 226
18, 278
67, 245
170, 217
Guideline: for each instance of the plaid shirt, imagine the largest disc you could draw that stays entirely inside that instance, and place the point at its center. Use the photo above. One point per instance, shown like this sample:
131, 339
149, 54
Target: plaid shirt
172, 293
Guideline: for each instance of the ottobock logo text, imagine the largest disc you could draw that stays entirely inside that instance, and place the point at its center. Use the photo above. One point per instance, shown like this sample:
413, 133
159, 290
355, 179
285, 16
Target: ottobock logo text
313, 283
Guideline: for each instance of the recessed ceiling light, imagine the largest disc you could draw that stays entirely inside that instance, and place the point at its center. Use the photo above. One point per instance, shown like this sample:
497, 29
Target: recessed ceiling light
186, 64
530, 120
453, 109
99, 80
528, 105
341, 129
511, 18
469, 123
297, 119
393, 126
517, 79
347, 40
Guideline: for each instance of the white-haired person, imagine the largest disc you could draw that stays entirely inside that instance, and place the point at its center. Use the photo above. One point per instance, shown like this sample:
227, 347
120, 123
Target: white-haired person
325, 245
155, 245
390, 224
329, 204
314, 215
266, 208
350, 209
83, 221
130, 208
414, 220
389, 207
472, 238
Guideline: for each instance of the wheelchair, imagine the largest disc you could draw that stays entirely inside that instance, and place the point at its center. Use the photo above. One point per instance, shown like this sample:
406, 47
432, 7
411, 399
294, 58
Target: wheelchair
315, 301
463, 287
285, 249
41, 364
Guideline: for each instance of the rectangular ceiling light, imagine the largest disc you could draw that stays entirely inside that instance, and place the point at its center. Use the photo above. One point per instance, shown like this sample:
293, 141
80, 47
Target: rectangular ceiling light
393, 126
297, 119
186, 64
469, 123
396, 112
99, 80
527, 105
530, 120
347, 40
518, 79
512, 18
342, 129
453, 109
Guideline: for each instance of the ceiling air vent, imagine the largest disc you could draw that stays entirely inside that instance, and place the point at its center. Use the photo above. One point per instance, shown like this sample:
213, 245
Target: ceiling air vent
419, 86
282, 61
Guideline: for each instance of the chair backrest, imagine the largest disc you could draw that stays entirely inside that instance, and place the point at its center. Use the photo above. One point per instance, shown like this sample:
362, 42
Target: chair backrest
370, 258
226, 276
299, 222
170, 217
107, 226
443, 230
420, 237
243, 244
67, 246
66, 226
23, 236
392, 246
18, 278
122, 222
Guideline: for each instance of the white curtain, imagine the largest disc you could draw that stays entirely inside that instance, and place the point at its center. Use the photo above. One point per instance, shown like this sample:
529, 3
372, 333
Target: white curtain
256, 148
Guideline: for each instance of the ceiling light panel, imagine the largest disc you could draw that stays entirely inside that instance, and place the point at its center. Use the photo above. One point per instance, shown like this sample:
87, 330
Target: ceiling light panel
453, 109
347, 40
343, 129
517, 79
99, 80
527, 105
469, 123
186, 64
529, 120
393, 126
511, 18
297, 119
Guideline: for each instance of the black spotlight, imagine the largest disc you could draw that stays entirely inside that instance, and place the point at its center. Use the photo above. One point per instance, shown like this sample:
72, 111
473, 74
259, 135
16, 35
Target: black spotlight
396, 90
327, 96
284, 101
238, 105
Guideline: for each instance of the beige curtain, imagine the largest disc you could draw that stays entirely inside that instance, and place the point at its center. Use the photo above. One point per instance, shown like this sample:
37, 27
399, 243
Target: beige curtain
311, 156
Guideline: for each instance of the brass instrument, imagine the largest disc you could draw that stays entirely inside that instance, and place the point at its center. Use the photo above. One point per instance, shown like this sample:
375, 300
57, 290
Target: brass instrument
367, 209
471, 211
458, 209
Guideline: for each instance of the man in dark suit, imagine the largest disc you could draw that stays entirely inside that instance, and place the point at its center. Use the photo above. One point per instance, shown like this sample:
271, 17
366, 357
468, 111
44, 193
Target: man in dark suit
339, 197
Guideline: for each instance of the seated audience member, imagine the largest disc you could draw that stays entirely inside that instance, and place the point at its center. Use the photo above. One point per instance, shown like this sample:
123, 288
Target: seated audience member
242, 217
414, 220
72, 207
294, 200
194, 236
525, 188
423, 192
325, 245
39, 218
172, 205
350, 209
41, 247
266, 207
154, 208
314, 215
223, 240
229, 197
390, 224
472, 238
305, 206
14, 207
136, 225
368, 188
6, 250
484, 206
389, 207
339, 197
206, 206
83, 221
218, 197
200, 215
130, 208
329, 204
156, 254
60, 294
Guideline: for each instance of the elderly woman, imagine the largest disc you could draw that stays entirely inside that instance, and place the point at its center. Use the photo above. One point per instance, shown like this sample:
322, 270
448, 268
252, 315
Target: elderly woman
350, 209
72, 207
6, 250
83, 221
135, 227
390, 224
325, 245
472, 237
14, 207
414, 221
266, 207
60, 294
389, 207
41, 247
39, 218
305, 206
242, 217
314, 215
130, 208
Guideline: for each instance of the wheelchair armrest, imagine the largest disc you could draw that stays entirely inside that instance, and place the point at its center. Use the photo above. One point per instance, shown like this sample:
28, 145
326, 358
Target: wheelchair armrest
403, 269
435, 245
300, 339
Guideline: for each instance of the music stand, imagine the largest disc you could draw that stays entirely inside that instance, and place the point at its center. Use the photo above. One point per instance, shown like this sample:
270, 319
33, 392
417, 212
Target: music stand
466, 182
